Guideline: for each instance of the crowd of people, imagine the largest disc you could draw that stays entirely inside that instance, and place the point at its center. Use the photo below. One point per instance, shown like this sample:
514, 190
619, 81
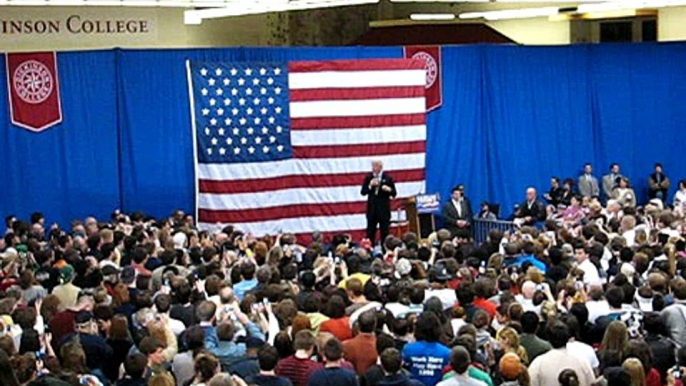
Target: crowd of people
579, 294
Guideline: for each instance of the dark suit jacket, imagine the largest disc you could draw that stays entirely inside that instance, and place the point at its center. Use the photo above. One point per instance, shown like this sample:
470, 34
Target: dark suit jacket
450, 215
379, 201
536, 212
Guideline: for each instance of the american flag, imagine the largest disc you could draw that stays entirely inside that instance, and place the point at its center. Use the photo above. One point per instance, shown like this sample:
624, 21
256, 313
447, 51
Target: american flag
285, 146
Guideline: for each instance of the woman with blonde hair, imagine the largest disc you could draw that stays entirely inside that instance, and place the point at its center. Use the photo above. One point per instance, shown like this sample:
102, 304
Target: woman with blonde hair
548, 310
161, 379
614, 345
160, 329
634, 368
509, 343
274, 256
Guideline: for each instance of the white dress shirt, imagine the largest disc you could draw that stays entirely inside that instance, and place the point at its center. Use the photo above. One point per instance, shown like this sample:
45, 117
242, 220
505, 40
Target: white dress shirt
680, 198
591, 275
458, 207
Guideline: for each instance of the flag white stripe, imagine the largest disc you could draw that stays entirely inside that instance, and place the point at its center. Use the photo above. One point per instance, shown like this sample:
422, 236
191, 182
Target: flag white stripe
297, 196
358, 136
356, 79
357, 107
290, 167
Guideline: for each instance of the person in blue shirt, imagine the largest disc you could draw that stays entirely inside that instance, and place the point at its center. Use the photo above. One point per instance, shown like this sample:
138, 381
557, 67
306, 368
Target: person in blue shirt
249, 282
426, 358
526, 257
220, 340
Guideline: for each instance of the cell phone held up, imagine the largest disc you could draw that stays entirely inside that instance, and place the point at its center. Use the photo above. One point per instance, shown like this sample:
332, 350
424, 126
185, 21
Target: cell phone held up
677, 372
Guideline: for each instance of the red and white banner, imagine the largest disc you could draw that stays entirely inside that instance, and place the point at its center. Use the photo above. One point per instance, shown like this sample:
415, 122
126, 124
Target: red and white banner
34, 91
432, 56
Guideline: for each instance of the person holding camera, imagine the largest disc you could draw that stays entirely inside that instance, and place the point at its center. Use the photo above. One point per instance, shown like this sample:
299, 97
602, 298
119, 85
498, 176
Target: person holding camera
675, 375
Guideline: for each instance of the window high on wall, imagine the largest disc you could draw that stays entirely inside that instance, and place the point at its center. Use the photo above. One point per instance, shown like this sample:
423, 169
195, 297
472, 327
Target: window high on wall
635, 29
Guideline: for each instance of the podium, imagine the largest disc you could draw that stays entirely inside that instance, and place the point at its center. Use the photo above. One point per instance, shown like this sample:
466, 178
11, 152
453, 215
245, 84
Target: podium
420, 210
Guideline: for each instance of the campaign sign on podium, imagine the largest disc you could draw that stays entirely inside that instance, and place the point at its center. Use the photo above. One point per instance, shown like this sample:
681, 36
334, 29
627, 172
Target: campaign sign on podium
420, 213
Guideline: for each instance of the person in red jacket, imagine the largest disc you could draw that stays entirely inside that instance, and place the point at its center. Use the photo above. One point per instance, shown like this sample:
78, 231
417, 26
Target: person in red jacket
361, 350
339, 324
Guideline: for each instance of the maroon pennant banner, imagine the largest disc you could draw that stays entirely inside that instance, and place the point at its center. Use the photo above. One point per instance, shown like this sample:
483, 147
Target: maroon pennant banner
34, 92
432, 56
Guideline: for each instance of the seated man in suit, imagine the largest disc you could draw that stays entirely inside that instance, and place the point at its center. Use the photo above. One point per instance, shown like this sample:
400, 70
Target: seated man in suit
530, 211
457, 213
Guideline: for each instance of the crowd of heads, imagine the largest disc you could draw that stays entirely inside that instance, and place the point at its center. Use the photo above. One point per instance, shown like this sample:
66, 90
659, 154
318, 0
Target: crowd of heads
589, 297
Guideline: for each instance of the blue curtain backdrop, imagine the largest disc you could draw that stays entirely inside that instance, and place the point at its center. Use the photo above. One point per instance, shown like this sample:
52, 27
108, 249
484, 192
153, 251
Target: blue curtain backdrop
512, 117
70, 170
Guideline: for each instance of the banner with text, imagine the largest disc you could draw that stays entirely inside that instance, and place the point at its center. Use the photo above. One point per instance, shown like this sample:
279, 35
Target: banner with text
31, 29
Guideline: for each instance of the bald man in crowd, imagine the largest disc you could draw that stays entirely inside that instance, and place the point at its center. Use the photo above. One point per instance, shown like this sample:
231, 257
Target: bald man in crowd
379, 188
532, 210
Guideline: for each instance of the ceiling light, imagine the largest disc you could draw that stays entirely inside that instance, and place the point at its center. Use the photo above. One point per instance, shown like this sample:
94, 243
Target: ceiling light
432, 16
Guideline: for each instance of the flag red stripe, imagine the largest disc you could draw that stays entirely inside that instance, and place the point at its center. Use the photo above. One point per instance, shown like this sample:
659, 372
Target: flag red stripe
235, 216
356, 65
300, 181
316, 94
358, 150
357, 122
281, 212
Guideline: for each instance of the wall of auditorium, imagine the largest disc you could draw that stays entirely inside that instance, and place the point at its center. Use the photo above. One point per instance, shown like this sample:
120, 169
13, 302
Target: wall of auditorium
534, 31
77, 28
671, 25
540, 31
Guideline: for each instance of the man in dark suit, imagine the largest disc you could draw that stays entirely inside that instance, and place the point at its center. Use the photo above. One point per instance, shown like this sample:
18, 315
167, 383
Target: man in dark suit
379, 188
532, 210
457, 213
